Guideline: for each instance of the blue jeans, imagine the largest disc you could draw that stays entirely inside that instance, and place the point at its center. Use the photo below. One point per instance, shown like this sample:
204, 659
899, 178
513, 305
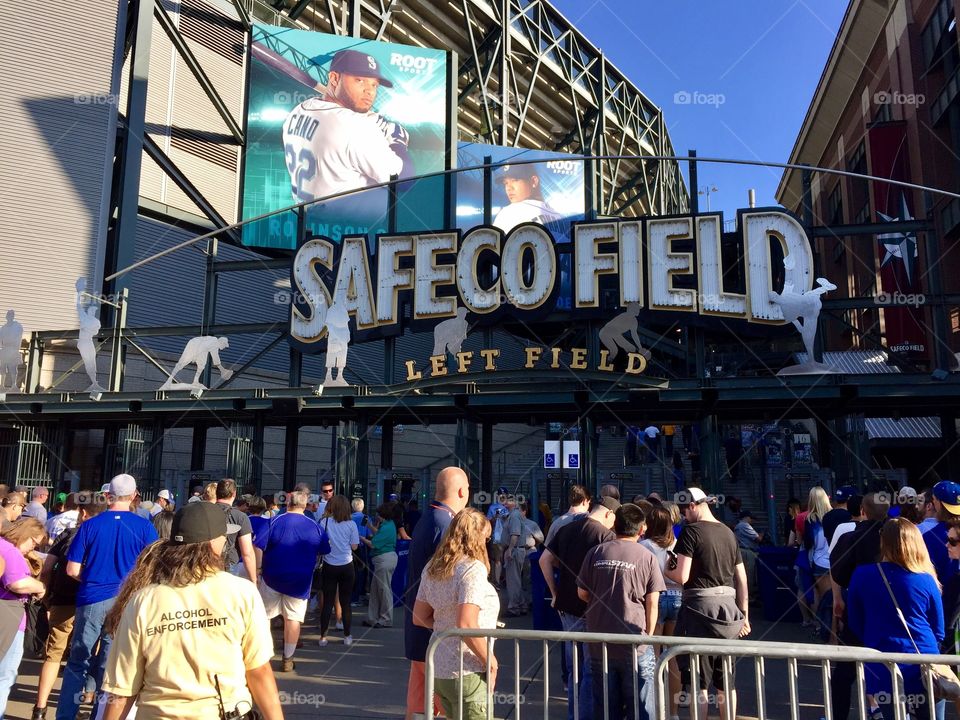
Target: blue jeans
87, 630
9, 665
572, 623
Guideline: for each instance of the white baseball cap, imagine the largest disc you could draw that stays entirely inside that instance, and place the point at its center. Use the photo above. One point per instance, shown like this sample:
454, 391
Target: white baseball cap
123, 485
165, 494
694, 495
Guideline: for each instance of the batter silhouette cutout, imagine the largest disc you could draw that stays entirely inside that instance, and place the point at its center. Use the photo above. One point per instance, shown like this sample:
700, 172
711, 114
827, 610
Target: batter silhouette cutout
803, 310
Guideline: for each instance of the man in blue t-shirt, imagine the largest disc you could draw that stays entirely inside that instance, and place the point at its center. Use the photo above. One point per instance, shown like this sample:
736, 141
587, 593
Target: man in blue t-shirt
361, 557
102, 554
946, 502
452, 496
289, 558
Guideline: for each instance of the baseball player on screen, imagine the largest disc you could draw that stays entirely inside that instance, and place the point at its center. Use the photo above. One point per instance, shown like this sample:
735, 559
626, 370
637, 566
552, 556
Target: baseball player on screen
338, 143
521, 183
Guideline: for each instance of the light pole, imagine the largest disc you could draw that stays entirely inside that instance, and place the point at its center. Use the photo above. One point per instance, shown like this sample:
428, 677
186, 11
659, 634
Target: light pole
707, 190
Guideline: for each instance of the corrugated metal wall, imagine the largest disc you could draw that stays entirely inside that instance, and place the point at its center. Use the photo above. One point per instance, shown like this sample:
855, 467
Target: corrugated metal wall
182, 119
58, 103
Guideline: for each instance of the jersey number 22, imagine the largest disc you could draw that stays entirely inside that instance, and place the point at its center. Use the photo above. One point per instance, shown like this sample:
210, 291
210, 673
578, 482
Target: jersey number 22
302, 167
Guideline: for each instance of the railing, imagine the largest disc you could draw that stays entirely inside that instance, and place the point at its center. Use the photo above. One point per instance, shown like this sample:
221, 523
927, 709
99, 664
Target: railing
671, 648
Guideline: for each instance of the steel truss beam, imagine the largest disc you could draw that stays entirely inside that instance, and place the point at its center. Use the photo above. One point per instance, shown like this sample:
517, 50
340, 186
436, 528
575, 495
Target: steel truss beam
190, 190
166, 22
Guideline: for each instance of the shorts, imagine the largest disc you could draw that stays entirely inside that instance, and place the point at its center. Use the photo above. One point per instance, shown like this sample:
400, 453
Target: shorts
416, 687
60, 619
819, 571
669, 607
474, 696
291, 608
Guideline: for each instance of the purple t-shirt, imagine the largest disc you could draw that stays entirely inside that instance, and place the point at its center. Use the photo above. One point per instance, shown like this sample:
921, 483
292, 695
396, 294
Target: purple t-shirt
16, 568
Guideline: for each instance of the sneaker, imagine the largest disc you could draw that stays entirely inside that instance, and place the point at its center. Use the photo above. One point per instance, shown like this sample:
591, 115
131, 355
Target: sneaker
348, 640
323, 642
287, 665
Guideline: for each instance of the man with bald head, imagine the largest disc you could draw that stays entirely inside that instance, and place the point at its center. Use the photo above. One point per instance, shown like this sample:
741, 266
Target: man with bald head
451, 496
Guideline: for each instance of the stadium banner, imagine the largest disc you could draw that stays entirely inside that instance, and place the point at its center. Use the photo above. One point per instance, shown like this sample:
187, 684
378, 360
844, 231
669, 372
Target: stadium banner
899, 274
551, 193
327, 114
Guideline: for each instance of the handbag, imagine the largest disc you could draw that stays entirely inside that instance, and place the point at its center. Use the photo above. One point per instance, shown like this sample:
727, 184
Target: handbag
946, 684
324, 548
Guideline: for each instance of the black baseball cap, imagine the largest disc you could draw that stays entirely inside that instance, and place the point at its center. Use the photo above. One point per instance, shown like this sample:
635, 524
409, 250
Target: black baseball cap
746, 514
354, 62
609, 503
200, 522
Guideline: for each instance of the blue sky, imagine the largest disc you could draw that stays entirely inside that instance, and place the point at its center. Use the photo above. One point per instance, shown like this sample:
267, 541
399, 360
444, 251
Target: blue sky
734, 77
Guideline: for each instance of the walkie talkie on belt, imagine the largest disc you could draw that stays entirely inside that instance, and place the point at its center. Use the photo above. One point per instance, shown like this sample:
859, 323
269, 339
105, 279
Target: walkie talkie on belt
234, 714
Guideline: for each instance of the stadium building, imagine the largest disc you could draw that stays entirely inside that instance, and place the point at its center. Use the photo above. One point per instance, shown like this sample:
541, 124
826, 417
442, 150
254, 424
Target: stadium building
168, 124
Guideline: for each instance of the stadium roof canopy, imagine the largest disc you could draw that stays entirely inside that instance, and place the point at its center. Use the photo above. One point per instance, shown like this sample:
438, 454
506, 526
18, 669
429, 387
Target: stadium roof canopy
542, 85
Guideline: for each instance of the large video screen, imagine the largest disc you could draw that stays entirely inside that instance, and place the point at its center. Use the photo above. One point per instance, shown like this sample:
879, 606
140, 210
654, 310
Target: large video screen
550, 192
329, 114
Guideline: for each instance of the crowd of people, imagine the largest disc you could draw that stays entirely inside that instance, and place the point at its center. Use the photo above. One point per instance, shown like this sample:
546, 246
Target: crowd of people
167, 609
137, 598
880, 570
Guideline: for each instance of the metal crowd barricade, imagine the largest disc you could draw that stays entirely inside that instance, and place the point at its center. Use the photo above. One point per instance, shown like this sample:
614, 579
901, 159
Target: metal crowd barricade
728, 651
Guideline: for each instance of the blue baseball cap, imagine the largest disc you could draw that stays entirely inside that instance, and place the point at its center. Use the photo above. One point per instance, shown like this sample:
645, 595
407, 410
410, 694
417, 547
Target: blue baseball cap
844, 493
516, 172
948, 493
502, 490
354, 62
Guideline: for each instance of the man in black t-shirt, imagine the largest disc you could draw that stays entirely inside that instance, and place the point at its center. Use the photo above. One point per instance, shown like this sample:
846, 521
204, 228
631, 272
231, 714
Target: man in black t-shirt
715, 597
839, 514
565, 554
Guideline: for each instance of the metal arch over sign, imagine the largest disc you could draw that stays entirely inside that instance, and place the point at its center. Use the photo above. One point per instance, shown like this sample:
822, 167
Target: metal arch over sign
493, 275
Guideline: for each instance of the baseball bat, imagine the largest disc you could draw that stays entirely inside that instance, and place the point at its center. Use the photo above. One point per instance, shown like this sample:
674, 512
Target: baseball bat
282, 65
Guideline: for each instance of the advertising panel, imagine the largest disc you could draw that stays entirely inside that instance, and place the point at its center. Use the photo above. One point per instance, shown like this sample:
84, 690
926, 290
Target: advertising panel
550, 193
328, 114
